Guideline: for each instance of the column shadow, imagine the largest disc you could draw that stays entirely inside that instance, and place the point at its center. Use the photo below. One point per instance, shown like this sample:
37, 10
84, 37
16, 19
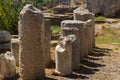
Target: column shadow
88, 65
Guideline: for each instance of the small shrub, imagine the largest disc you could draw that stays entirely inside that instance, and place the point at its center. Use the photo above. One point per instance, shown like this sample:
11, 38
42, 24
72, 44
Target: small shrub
109, 36
98, 18
55, 29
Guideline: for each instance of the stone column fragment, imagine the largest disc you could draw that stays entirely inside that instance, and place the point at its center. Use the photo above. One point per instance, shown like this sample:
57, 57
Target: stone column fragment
5, 41
88, 37
15, 50
31, 36
7, 65
77, 28
5, 36
47, 41
84, 15
63, 54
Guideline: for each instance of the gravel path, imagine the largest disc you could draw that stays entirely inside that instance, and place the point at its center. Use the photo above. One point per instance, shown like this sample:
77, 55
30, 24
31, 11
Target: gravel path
101, 64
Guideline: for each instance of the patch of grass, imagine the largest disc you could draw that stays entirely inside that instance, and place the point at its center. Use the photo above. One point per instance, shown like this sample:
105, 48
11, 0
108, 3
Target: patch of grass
99, 18
51, 10
109, 36
55, 29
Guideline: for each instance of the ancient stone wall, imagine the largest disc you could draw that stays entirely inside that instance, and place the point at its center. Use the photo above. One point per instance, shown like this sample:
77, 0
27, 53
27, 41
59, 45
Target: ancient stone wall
5, 41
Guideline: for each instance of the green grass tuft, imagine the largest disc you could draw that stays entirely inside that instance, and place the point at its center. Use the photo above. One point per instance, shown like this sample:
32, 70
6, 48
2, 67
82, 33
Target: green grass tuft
99, 18
55, 29
109, 36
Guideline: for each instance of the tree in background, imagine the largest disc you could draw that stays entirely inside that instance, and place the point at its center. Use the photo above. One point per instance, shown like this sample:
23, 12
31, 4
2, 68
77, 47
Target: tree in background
9, 12
8, 16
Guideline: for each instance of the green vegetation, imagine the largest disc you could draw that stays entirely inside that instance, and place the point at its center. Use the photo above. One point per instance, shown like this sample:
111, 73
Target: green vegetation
8, 16
99, 18
9, 12
55, 29
109, 36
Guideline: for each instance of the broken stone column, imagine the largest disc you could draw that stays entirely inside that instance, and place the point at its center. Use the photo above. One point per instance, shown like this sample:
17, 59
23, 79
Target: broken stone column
5, 41
84, 15
63, 54
88, 38
31, 36
47, 42
7, 65
77, 28
15, 50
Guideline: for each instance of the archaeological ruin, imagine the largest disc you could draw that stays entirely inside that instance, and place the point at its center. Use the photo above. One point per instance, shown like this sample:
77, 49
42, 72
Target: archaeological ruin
32, 43
30, 50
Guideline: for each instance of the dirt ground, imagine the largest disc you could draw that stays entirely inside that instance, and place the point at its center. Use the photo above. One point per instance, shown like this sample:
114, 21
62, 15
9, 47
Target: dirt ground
102, 64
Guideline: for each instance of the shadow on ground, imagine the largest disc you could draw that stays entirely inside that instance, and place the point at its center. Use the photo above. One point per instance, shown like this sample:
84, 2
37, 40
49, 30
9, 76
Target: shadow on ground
88, 65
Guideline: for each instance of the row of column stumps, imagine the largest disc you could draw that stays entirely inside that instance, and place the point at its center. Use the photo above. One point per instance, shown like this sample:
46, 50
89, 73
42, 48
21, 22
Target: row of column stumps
83, 27
76, 41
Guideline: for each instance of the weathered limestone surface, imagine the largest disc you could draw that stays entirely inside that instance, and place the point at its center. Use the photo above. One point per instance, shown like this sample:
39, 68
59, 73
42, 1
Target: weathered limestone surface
89, 30
106, 7
63, 54
7, 65
77, 28
88, 35
31, 35
5, 41
15, 50
47, 42
5, 36
82, 14
5, 46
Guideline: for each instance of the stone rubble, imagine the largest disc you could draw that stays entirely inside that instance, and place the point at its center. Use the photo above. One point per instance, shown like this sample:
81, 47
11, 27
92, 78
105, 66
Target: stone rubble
7, 65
